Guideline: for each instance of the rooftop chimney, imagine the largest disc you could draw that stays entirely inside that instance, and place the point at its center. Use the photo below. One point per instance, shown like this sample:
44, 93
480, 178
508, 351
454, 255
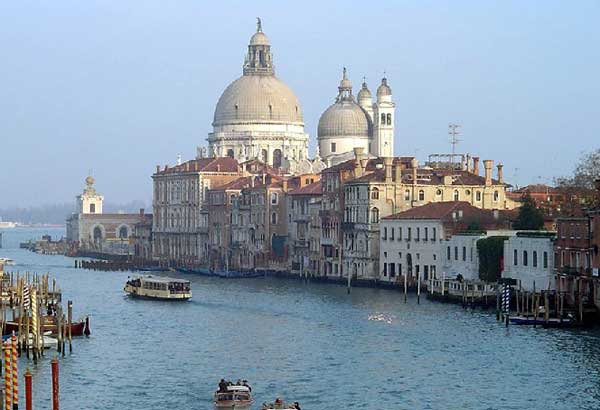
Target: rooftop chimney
387, 164
414, 165
141, 212
358, 154
500, 174
476, 165
467, 163
187, 167
398, 174
166, 167
157, 169
488, 164
284, 185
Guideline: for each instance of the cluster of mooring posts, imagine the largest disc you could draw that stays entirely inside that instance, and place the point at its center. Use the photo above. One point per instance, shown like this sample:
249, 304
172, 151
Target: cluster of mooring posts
544, 307
11, 379
32, 321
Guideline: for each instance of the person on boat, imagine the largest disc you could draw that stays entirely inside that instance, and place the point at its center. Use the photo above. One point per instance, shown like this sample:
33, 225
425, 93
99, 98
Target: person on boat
297, 405
264, 406
222, 385
239, 382
245, 383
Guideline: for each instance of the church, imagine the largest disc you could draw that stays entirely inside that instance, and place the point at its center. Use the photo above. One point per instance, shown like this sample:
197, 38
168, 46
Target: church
259, 117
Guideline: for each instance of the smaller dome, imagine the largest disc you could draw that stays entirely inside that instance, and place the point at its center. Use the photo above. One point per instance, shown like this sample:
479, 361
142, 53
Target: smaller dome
259, 39
344, 118
364, 92
90, 180
384, 88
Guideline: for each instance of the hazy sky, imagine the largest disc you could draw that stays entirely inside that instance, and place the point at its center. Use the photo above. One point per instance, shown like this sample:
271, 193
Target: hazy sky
120, 86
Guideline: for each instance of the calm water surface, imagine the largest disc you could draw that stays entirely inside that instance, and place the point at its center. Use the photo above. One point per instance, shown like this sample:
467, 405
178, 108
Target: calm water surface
307, 342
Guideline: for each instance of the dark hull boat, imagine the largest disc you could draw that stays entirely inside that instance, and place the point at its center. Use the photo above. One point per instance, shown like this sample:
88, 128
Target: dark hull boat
551, 323
78, 328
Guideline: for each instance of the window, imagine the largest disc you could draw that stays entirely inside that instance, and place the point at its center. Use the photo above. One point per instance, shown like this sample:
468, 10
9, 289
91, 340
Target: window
274, 198
384, 233
433, 236
478, 196
496, 196
456, 195
409, 234
456, 253
464, 253
407, 195
389, 119
448, 253
515, 258
392, 270
92, 208
534, 259
374, 215
123, 232
274, 218
421, 195
392, 234
333, 147
426, 234
400, 233
382, 119
375, 193
545, 260
418, 238
525, 258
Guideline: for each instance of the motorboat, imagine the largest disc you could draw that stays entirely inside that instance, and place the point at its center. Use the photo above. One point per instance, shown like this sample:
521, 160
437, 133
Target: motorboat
7, 261
158, 287
233, 397
280, 404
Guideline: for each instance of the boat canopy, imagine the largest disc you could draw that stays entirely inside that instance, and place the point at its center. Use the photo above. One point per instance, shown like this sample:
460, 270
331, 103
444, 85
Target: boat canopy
238, 388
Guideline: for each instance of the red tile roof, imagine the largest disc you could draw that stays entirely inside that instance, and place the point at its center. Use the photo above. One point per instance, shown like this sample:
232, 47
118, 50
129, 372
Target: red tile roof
311, 189
220, 164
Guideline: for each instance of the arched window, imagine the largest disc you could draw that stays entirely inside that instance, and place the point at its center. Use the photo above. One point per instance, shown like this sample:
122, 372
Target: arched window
496, 196
545, 260
374, 215
230, 153
274, 198
274, 218
407, 195
277, 158
92, 208
375, 193
382, 119
389, 119
449, 253
97, 234
456, 195
123, 232
421, 195
515, 258
478, 196
524, 258
534, 259
264, 155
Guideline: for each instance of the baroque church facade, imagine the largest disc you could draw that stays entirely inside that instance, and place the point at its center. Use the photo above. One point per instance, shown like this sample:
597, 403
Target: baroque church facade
258, 117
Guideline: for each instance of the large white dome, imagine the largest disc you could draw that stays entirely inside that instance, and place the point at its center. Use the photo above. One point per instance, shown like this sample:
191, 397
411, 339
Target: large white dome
258, 99
344, 118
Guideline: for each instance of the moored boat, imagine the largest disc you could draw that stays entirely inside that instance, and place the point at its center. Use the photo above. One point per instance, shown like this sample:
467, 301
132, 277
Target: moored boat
551, 322
7, 261
233, 397
158, 287
49, 325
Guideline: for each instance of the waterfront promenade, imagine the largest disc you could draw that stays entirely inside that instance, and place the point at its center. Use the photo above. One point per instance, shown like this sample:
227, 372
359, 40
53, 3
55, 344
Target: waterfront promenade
310, 343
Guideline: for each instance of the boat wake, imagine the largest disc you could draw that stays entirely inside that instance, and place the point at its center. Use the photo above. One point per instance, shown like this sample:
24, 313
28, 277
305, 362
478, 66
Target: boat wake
382, 317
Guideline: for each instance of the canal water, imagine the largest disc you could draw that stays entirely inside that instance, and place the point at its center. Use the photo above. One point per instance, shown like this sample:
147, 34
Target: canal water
310, 343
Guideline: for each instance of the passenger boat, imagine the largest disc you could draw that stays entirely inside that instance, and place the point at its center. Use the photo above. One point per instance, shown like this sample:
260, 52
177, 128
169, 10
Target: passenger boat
233, 398
279, 404
158, 287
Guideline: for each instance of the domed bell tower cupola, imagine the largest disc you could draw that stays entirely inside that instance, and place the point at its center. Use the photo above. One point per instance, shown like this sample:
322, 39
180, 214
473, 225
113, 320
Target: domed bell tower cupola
259, 60
383, 121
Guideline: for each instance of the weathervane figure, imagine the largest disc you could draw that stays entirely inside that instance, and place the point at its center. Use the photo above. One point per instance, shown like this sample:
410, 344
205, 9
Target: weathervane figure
258, 25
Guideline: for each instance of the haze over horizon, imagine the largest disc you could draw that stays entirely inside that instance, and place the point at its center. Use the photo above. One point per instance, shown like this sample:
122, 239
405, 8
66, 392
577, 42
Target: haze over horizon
119, 87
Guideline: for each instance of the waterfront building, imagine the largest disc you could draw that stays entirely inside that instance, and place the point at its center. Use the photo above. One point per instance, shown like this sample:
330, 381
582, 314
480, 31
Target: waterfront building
572, 245
394, 185
528, 259
349, 124
90, 230
178, 195
259, 117
419, 242
300, 223
142, 239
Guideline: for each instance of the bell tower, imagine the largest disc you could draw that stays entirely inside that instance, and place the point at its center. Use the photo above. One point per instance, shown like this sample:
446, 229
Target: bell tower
89, 202
383, 121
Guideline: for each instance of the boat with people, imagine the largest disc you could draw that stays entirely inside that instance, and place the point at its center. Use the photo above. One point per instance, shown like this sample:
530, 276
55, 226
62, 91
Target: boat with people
280, 404
231, 396
158, 287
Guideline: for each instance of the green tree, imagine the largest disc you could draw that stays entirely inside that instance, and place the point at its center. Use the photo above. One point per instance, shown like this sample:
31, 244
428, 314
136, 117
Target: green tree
530, 218
491, 251
580, 188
